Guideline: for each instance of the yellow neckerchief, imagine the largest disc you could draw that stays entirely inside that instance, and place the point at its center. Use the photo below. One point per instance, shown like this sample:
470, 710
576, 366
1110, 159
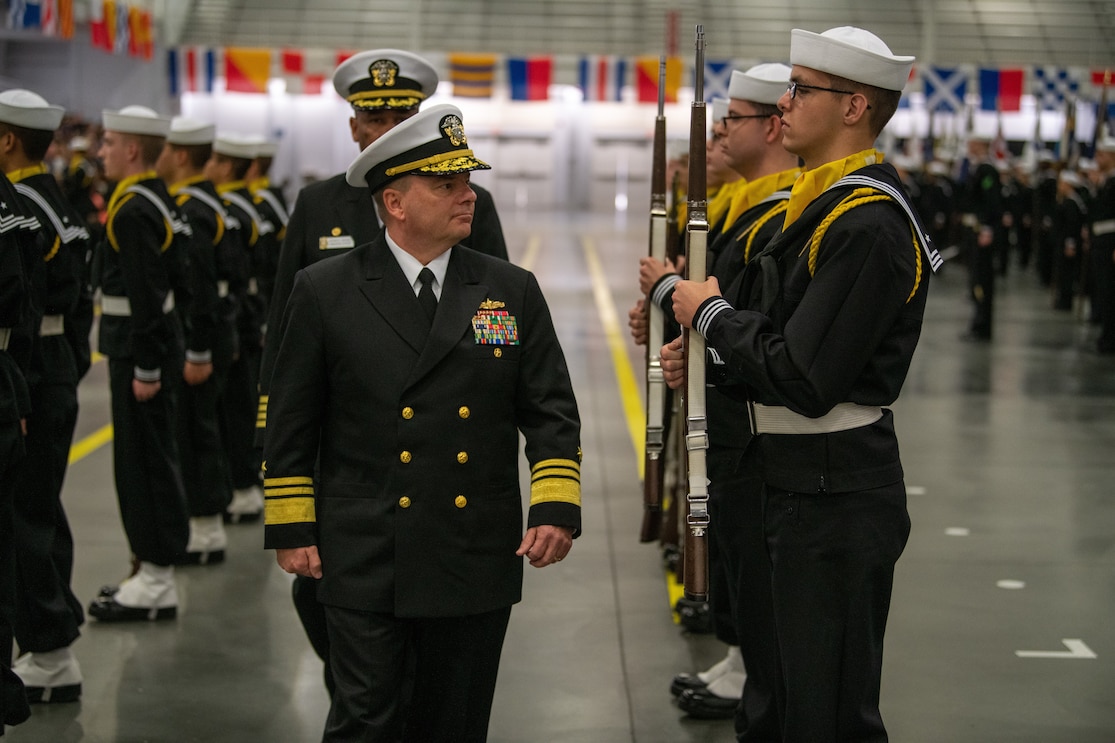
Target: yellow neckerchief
718, 204
231, 186
759, 189
123, 186
259, 184
812, 183
18, 175
193, 179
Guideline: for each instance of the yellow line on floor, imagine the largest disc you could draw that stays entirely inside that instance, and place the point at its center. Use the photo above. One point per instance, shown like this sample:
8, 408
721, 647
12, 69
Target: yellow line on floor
86, 446
534, 243
625, 375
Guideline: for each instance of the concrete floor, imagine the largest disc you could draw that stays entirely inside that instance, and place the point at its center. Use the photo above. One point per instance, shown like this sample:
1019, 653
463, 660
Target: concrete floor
1008, 453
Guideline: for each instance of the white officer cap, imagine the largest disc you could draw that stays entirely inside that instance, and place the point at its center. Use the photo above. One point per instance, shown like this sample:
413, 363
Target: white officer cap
851, 53
1071, 177
136, 120
29, 110
432, 142
385, 79
719, 109
79, 144
763, 83
184, 131
241, 146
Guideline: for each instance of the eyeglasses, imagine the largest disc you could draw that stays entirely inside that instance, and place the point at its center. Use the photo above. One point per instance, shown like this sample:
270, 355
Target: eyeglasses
793, 89
733, 117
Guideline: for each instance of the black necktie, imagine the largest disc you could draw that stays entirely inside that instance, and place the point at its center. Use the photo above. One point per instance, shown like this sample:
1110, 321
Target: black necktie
426, 296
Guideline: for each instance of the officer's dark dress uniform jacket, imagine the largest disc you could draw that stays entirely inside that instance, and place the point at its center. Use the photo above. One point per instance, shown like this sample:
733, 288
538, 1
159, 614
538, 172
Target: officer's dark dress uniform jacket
48, 613
143, 264
330, 218
418, 510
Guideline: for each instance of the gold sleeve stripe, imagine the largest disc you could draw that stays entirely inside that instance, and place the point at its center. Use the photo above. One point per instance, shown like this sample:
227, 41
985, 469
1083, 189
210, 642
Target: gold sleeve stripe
273, 492
565, 463
555, 490
272, 482
289, 511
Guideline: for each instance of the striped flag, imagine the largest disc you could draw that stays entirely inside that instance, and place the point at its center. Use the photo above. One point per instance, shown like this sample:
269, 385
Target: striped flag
602, 77
1000, 90
102, 20
646, 79
529, 78
718, 76
247, 70
191, 70
472, 74
25, 14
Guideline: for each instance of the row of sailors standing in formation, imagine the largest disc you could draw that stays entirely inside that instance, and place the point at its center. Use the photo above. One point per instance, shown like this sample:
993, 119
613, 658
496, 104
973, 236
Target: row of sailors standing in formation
183, 267
1038, 214
196, 258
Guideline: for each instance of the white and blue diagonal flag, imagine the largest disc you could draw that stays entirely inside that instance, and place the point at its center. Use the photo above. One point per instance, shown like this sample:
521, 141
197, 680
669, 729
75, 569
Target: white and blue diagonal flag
1052, 85
945, 88
718, 75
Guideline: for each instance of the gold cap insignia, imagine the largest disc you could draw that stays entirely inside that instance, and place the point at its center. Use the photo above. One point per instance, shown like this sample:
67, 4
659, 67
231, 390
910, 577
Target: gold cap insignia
383, 72
454, 129
489, 304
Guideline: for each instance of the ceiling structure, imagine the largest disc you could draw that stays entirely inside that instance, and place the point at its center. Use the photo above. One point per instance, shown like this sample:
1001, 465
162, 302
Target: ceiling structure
987, 32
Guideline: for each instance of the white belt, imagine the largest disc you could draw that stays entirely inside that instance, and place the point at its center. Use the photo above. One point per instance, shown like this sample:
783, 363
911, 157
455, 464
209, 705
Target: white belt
5, 336
843, 417
1104, 227
52, 325
121, 307
222, 288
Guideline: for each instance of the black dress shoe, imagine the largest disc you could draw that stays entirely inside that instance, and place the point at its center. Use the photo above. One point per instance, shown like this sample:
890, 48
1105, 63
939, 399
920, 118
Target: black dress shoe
684, 681
106, 609
702, 704
212, 557
107, 592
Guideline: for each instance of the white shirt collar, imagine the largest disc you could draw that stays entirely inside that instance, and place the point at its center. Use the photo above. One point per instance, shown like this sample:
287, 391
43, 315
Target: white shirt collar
412, 266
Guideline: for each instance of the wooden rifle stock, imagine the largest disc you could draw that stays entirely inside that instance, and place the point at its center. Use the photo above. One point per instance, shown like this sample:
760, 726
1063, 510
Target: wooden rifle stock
696, 433
653, 470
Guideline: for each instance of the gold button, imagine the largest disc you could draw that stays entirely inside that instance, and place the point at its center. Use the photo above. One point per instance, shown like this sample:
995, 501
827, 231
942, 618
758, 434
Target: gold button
335, 231
460, 501
498, 352
464, 412
462, 457
404, 502
404, 457
408, 412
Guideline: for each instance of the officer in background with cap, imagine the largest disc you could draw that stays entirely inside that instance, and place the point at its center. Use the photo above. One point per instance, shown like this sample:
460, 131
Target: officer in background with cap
210, 336
48, 614
406, 371
228, 170
828, 317
141, 267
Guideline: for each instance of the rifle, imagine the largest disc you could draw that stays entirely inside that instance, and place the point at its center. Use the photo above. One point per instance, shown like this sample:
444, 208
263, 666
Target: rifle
696, 430
653, 472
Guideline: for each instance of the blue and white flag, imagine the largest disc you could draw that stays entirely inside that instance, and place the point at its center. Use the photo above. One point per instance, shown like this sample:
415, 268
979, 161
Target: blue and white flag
945, 88
718, 75
1052, 85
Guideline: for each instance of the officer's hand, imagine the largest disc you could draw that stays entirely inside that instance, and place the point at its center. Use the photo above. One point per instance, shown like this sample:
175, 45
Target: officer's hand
300, 561
145, 391
673, 364
637, 322
544, 545
651, 270
688, 296
195, 374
